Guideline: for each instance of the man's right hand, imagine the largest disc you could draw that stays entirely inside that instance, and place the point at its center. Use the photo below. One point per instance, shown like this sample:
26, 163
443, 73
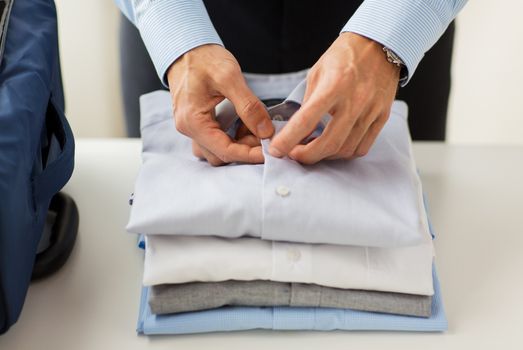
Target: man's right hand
198, 81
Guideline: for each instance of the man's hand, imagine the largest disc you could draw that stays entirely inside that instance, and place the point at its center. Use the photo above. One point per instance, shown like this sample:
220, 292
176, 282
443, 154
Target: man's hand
198, 81
356, 85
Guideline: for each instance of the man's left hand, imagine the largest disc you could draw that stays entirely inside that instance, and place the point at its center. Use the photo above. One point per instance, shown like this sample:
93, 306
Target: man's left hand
356, 85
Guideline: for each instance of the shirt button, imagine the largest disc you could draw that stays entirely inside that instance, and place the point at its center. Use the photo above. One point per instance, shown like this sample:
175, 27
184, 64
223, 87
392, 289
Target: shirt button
278, 117
283, 191
293, 254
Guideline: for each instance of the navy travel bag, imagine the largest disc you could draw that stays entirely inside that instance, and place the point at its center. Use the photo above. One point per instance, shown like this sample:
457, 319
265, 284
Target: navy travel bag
36, 151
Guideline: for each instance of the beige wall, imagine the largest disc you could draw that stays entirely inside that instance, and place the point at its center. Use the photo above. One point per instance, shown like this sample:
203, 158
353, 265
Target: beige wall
487, 95
88, 32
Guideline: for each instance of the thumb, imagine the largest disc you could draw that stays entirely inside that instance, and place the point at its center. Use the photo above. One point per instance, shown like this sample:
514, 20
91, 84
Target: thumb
250, 109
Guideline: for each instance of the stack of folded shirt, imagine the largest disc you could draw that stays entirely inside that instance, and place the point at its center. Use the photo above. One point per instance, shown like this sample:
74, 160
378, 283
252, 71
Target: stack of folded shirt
337, 245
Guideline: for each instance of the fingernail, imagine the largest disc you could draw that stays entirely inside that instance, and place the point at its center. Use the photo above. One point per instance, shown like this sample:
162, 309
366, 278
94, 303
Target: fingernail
264, 129
275, 152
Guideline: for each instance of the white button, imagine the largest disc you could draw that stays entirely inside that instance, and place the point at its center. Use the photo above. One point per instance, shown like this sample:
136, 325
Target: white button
278, 117
293, 254
283, 191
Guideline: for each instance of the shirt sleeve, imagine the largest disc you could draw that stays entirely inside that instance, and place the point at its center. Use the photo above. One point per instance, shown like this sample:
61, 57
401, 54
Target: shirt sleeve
407, 27
170, 28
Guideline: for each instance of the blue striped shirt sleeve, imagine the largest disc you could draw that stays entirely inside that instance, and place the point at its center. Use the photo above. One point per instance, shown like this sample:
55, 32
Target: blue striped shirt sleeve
407, 27
170, 28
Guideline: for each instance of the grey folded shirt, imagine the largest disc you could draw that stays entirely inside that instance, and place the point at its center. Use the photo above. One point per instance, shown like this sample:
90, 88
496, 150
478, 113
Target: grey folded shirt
176, 298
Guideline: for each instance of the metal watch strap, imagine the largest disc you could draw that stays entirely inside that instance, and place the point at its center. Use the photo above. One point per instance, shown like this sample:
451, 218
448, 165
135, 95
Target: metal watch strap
392, 57
395, 60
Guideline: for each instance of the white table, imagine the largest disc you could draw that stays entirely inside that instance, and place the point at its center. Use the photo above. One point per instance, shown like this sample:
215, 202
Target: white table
475, 196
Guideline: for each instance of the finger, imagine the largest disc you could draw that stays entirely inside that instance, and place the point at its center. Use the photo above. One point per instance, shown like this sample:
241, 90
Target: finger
351, 143
222, 146
311, 81
206, 132
356, 135
250, 109
302, 123
326, 145
197, 151
249, 140
204, 154
370, 137
211, 158
242, 131
255, 149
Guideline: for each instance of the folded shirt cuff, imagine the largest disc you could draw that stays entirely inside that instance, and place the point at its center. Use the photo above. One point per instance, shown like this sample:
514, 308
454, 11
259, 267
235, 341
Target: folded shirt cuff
171, 28
409, 28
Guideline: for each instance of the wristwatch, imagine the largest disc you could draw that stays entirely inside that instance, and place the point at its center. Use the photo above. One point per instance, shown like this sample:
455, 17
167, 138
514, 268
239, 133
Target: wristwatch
395, 60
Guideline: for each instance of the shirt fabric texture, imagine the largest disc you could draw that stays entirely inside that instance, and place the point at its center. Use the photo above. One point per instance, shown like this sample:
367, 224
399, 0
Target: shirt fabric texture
235, 318
183, 259
408, 27
176, 298
176, 193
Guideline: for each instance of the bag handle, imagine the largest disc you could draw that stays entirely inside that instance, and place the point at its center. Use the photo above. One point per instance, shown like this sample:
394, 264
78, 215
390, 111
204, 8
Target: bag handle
58, 171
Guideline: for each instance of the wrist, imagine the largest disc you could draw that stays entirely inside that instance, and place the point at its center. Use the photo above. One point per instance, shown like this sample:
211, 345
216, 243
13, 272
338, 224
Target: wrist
388, 55
191, 57
387, 58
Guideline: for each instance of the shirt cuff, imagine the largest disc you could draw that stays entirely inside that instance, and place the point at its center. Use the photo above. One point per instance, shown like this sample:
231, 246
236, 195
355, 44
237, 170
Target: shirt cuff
171, 28
408, 28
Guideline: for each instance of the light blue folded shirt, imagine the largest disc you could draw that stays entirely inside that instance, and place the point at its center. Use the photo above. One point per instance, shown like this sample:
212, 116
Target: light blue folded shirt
383, 185
288, 318
227, 319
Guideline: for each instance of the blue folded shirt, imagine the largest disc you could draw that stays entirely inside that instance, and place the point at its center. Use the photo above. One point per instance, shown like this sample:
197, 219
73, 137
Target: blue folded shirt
287, 318
236, 318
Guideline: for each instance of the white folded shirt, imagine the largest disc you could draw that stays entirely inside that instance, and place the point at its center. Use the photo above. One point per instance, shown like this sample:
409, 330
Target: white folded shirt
371, 201
182, 259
